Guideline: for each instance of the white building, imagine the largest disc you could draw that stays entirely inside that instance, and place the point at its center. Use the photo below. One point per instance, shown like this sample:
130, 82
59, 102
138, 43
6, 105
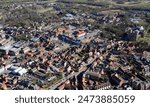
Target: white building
17, 70
4, 69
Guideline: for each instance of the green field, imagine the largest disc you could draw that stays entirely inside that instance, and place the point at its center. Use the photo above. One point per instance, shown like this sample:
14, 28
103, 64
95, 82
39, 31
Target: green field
24, 0
141, 3
144, 39
138, 4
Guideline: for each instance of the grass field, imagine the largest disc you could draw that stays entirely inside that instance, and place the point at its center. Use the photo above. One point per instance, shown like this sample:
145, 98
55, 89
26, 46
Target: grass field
145, 39
25, 0
139, 4
142, 3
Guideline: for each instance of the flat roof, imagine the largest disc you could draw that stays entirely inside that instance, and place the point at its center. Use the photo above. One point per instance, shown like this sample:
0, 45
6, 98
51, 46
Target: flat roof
7, 47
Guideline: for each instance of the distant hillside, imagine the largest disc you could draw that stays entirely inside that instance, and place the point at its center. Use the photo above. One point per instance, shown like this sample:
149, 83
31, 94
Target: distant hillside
121, 3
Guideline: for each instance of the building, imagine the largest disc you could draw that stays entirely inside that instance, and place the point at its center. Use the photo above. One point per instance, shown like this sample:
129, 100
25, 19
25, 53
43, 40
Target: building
137, 84
93, 76
135, 20
146, 55
69, 40
3, 69
5, 41
5, 49
14, 51
25, 50
18, 44
104, 86
146, 70
17, 70
81, 34
68, 17
1, 26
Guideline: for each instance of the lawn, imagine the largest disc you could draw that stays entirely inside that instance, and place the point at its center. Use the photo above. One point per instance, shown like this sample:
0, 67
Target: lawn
145, 39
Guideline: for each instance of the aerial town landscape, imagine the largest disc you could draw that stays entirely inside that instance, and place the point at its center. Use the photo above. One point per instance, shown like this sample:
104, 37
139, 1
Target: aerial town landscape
74, 44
